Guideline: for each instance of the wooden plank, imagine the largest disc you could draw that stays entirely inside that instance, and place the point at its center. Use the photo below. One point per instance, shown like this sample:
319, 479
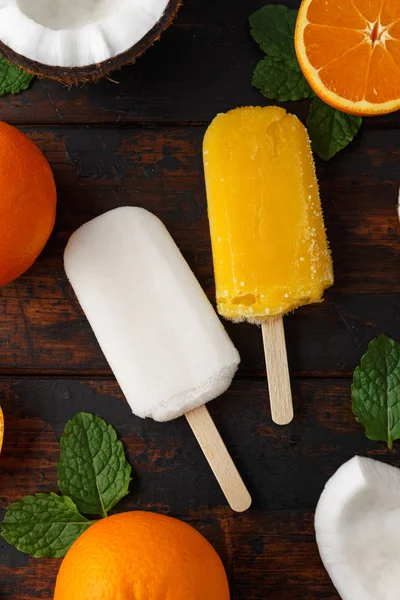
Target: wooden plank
45, 335
269, 551
202, 65
160, 168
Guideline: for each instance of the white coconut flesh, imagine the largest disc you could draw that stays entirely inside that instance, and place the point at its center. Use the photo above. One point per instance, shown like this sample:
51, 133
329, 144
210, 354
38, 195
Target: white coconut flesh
76, 33
357, 526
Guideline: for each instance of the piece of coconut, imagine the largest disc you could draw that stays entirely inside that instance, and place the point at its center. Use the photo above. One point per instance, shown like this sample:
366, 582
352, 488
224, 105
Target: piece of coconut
80, 40
357, 525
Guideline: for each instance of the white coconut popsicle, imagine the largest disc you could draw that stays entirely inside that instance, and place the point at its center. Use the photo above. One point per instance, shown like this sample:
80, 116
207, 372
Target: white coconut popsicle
161, 336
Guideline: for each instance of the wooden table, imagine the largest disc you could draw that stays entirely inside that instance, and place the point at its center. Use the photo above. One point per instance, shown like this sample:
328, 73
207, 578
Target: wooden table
138, 142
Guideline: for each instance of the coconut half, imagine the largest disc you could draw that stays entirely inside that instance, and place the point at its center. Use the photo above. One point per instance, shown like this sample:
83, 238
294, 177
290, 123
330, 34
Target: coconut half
357, 525
80, 40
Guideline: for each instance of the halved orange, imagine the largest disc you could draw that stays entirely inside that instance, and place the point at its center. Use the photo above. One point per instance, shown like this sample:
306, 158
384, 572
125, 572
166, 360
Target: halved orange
349, 52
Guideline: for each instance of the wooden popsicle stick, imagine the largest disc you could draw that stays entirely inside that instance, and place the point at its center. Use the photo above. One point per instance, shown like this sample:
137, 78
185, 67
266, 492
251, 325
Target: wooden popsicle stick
280, 393
219, 458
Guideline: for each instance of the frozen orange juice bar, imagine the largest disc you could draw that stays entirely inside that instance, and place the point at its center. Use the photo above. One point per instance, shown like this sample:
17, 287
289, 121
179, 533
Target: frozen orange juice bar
268, 237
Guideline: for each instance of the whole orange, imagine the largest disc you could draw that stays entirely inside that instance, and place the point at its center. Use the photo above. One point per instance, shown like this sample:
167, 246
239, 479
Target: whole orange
141, 556
27, 202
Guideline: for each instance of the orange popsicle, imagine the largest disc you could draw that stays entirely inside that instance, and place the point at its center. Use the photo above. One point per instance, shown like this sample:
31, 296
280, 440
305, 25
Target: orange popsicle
268, 236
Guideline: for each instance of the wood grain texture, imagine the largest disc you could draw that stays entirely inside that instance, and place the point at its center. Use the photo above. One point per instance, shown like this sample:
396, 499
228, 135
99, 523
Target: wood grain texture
269, 551
202, 65
44, 330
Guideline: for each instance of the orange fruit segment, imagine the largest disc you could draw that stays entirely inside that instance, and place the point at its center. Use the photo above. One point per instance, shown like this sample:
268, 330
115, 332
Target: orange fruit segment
349, 52
141, 556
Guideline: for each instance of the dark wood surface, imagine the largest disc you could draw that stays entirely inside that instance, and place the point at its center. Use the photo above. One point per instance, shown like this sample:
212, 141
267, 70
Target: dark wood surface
138, 142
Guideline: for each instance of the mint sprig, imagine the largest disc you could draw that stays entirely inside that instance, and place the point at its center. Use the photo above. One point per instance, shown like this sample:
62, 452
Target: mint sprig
375, 390
13, 80
272, 27
43, 525
330, 130
278, 77
93, 469
93, 476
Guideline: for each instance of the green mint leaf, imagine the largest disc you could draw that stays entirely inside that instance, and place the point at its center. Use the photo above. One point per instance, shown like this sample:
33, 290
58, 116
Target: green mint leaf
93, 469
278, 76
281, 79
330, 130
272, 27
375, 390
13, 80
43, 525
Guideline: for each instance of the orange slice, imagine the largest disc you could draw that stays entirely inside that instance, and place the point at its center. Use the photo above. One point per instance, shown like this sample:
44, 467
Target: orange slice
349, 52
1, 428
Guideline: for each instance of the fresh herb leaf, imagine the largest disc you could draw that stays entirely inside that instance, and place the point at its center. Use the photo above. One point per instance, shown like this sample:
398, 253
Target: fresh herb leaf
13, 80
272, 27
281, 79
93, 469
43, 525
330, 130
278, 76
376, 390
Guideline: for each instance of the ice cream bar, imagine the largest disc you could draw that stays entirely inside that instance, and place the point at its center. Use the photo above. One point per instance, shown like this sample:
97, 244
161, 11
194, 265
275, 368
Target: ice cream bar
268, 236
157, 329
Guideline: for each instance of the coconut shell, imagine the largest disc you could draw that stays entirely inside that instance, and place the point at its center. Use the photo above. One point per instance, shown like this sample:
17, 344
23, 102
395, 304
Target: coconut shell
92, 73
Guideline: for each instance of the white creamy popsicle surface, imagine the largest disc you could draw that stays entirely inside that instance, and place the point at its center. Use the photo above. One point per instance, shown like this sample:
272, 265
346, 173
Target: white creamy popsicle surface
156, 327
